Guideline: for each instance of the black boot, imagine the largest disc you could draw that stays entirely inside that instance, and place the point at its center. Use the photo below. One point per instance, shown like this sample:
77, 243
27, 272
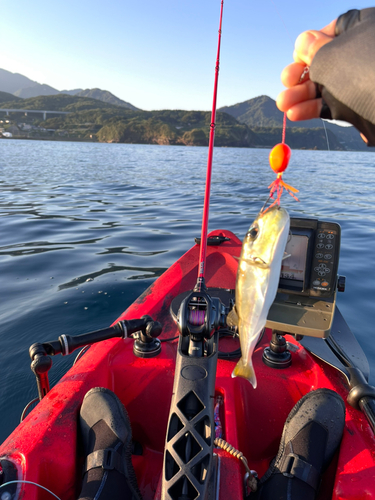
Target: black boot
311, 436
107, 440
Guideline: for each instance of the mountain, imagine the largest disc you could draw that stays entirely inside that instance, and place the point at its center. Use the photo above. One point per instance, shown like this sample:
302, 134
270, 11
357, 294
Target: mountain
258, 112
60, 102
21, 86
105, 96
71, 92
11, 82
262, 112
253, 123
100, 95
91, 118
298, 138
35, 91
5, 97
190, 128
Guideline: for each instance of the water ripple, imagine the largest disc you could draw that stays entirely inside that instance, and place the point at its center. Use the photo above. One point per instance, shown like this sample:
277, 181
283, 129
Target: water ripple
85, 228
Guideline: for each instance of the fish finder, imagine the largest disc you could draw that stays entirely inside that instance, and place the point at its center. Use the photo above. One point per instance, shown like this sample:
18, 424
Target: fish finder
312, 265
306, 296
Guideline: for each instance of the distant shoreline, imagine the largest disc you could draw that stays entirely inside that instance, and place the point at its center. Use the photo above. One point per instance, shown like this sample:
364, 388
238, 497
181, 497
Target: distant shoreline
53, 139
75, 139
256, 123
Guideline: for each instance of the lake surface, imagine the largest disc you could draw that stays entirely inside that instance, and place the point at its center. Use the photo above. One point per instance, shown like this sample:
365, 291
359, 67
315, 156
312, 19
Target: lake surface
85, 228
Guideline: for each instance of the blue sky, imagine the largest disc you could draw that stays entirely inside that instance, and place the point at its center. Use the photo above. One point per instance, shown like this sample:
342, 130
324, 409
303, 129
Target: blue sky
159, 54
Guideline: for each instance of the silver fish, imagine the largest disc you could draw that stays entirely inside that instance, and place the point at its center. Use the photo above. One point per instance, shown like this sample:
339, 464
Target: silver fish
257, 281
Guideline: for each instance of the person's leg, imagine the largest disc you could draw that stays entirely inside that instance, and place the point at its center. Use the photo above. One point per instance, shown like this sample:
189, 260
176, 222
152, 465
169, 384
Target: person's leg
311, 436
107, 441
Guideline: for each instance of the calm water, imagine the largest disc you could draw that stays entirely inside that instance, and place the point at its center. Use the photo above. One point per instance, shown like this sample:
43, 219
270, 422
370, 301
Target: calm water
85, 228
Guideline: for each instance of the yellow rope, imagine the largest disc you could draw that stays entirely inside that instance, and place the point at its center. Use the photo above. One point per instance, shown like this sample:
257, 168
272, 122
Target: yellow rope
224, 445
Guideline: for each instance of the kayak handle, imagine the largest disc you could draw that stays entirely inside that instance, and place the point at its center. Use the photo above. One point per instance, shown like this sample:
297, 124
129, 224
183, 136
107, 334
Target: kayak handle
40, 353
213, 240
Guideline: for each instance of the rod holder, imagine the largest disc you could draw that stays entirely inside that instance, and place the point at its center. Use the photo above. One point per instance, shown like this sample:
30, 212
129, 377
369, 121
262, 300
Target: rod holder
277, 354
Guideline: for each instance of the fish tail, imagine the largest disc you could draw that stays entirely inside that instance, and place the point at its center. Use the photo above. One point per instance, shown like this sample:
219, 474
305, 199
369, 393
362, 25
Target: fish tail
245, 370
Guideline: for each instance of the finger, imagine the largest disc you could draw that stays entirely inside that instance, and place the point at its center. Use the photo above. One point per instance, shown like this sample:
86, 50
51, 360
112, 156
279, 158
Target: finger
305, 110
308, 44
364, 138
298, 94
291, 75
330, 28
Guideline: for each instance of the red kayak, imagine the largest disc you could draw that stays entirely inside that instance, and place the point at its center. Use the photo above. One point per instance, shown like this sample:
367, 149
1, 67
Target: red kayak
44, 448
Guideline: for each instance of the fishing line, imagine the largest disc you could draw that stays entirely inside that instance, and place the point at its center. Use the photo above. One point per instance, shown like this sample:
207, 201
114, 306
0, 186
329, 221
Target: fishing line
282, 20
304, 73
22, 481
264, 206
325, 130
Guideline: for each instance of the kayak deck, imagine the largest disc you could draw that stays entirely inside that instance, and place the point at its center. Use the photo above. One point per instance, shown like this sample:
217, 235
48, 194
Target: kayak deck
46, 447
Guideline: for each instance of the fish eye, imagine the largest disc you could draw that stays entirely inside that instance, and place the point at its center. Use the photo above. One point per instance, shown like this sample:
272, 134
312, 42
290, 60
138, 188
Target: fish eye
253, 231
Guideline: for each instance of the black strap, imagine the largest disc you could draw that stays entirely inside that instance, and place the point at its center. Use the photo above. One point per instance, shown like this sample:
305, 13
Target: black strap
294, 466
108, 459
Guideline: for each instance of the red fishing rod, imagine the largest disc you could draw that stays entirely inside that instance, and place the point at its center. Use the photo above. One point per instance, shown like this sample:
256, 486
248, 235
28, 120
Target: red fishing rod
199, 313
206, 207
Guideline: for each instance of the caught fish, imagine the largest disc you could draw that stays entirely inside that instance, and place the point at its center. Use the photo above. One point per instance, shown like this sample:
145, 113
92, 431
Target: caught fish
257, 281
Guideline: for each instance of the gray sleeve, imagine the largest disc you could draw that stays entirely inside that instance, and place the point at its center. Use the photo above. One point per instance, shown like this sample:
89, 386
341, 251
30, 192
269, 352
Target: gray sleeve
345, 67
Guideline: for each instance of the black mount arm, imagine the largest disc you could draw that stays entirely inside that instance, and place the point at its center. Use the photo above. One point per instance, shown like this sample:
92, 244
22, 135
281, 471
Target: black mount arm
40, 353
188, 454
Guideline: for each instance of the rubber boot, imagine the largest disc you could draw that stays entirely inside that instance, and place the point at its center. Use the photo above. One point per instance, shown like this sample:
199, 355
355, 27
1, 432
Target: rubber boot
107, 440
311, 436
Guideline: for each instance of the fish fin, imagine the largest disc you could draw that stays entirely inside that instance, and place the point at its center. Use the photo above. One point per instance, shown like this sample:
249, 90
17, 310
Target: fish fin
245, 370
256, 261
286, 255
248, 261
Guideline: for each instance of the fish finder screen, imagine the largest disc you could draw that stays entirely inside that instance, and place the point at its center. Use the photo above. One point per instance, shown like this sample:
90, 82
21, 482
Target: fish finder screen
293, 267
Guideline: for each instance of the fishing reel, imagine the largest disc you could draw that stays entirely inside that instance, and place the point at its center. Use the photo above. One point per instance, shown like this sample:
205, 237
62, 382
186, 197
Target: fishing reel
200, 314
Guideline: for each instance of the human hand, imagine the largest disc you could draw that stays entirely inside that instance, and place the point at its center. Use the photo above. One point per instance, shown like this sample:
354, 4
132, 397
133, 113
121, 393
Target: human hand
300, 101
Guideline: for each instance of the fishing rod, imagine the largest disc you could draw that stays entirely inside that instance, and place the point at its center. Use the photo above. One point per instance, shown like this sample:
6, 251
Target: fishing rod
200, 286
200, 314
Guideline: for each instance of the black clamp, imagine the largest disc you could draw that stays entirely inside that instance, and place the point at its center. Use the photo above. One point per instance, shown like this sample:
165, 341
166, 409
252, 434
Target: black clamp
147, 345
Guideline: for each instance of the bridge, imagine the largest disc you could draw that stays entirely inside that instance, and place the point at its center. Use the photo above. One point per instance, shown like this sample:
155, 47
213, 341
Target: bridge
44, 112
